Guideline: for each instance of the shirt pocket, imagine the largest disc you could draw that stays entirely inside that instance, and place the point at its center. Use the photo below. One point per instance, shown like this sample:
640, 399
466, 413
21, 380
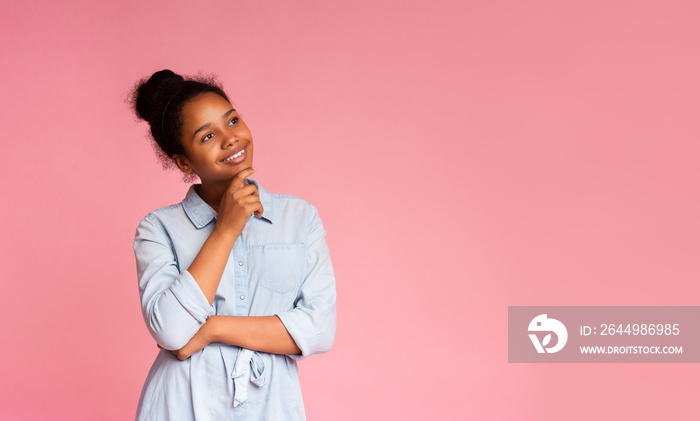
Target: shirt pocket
283, 266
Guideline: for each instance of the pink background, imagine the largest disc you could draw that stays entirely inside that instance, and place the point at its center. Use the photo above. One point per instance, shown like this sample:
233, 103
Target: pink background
465, 156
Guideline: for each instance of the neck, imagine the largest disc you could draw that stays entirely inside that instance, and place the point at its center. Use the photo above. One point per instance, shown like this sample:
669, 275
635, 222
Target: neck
212, 194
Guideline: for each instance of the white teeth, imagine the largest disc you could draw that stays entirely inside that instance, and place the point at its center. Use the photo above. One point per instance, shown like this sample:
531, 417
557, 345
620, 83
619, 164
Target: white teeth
235, 156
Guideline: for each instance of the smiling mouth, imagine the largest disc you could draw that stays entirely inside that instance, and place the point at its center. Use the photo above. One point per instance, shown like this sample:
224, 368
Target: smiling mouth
234, 156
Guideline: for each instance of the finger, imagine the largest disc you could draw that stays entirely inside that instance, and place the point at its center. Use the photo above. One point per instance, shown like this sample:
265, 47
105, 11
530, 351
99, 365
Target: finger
249, 190
258, 210
251, 205
249, 201
239, 179
253, 189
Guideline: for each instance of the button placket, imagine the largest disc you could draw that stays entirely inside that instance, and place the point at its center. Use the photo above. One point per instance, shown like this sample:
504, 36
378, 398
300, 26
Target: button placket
239, 254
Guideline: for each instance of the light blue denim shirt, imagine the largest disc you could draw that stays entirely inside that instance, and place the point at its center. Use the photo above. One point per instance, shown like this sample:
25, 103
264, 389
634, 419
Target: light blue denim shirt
279, 265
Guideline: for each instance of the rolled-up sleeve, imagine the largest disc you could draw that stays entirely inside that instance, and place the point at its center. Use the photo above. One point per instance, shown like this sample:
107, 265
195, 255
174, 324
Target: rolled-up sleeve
173, 305
312, 322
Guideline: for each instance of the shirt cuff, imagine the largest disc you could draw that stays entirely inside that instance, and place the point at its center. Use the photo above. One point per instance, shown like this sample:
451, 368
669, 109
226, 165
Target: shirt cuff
289, 324
190, 295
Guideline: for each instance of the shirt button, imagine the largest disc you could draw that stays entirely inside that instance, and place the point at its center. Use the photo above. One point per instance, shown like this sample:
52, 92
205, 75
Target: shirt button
240, 263
242, 297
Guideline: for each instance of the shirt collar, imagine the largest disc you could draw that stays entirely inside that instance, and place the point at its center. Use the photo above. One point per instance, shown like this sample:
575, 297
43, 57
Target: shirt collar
201, 214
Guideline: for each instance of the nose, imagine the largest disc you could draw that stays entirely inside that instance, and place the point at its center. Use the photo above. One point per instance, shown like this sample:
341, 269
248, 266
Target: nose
229, 141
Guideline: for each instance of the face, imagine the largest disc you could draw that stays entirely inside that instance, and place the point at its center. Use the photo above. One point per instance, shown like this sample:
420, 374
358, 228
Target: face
217, 142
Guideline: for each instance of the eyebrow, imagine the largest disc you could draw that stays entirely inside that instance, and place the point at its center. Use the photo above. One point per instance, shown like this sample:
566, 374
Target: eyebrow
224, 115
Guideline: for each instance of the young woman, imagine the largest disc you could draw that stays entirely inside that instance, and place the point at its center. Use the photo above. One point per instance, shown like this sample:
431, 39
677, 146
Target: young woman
236, 283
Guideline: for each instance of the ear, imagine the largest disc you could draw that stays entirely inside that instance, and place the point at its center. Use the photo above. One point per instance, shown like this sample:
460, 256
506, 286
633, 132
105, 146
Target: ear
182, 163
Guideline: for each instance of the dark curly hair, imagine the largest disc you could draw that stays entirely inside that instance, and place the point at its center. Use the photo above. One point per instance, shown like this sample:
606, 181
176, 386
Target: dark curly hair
159, 101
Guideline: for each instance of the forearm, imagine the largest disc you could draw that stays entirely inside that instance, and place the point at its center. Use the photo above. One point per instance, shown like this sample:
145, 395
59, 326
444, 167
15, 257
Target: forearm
208, 267
176, 314
259, 333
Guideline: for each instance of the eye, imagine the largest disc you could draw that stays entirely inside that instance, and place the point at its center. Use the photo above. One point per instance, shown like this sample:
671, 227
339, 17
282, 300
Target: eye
207, 137
233, 121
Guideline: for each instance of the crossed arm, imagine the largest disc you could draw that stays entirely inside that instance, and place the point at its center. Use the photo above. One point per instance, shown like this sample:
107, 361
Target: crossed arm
259, 333
177, 304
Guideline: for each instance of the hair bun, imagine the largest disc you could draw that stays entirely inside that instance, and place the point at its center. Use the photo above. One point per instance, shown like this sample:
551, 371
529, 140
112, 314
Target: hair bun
154, 94
150, 97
